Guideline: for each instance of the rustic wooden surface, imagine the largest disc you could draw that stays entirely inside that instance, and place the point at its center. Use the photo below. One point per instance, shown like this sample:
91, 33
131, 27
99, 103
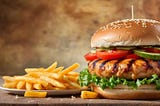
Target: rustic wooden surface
10, 100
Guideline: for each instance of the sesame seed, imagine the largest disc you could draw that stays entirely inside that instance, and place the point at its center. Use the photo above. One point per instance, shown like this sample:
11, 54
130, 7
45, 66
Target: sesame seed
127, 23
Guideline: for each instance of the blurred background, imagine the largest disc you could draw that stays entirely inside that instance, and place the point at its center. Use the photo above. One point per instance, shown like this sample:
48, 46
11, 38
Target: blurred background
36, 33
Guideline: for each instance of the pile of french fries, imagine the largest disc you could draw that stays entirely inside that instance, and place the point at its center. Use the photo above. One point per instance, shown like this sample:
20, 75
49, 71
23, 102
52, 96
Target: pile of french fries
51, 78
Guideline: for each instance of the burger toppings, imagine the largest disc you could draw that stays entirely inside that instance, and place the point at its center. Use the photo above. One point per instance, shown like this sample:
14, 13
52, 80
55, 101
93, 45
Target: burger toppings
111, 54
134, 56
90, 56
132, 66
87, 79
124, 52
148, 55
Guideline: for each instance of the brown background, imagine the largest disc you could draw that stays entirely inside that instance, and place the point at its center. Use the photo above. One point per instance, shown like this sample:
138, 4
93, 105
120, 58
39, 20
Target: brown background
35, 33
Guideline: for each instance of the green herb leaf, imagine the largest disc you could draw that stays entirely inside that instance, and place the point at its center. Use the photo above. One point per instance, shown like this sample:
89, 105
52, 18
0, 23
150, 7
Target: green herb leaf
158, 84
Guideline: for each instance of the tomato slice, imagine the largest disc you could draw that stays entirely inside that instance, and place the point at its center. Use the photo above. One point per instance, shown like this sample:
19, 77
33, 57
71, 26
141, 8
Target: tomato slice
112, 54
152, 50
132, 56
90, 56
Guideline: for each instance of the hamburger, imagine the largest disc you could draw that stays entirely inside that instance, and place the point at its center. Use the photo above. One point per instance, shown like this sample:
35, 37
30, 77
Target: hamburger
124, 61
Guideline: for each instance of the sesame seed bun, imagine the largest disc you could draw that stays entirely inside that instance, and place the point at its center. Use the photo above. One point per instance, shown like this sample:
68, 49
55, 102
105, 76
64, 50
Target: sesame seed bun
128, 32
125, 92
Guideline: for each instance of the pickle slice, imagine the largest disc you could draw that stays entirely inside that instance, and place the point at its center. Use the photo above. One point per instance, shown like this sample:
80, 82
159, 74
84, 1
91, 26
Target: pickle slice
126, 48
147, 55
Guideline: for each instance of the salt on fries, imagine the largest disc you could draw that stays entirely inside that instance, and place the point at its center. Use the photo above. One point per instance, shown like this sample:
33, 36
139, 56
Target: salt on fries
51, 78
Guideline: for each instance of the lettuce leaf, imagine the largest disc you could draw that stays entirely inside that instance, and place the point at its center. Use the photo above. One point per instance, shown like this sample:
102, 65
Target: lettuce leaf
85, 79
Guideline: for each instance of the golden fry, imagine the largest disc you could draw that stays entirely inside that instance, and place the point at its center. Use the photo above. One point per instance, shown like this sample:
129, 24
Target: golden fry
50, 87
21, 85
74, 84
8, 79
69, 69
57, 70
52, 67
72, 73
72, 78
53, 82
29, 86
33, 74
57, 88
28, 70
10, 84
88, 95
47, 74
54, 75
35, 94
37, 86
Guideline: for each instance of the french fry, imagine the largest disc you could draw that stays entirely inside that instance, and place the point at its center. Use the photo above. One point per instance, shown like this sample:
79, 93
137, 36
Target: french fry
29, 86
47, 74
35, 94
10, 84
38, 74
54, 75
69, 69
57, 70
20, 85
51, 68
34, 74
72, 73
37, 86
69, 86
72, 78
77, 86
28, 70
50, 87
8, 79
53, 82
57, 88
88, 95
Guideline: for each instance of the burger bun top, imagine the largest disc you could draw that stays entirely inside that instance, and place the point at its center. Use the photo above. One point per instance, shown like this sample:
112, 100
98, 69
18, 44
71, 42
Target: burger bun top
128, 32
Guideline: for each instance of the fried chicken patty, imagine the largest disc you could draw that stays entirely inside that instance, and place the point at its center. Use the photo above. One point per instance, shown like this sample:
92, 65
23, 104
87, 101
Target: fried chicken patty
125, 68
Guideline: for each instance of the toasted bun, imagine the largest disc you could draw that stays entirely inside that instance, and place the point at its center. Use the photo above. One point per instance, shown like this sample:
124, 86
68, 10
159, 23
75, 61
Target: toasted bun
124, 92
128, 32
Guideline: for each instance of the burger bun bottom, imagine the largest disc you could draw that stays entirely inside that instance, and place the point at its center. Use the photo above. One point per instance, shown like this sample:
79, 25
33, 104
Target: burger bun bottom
124, 92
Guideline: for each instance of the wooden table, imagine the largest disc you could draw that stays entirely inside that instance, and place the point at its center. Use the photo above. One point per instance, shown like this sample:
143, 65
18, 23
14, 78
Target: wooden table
69, 100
